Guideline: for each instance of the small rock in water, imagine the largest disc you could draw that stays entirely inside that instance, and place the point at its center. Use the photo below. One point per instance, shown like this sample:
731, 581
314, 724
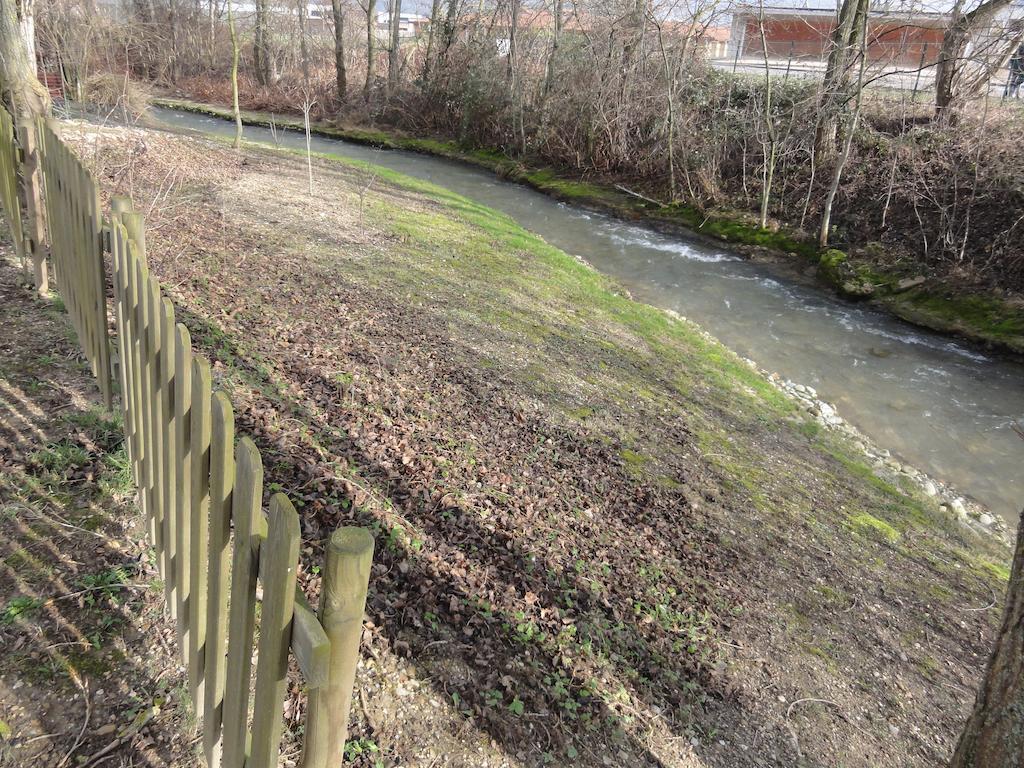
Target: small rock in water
880, 352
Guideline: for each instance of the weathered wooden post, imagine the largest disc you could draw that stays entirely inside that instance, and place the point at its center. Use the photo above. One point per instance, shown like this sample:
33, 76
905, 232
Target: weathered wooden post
36, 235
342, 600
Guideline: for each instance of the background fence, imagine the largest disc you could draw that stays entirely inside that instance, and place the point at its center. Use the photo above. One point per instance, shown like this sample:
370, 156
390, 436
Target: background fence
201, 495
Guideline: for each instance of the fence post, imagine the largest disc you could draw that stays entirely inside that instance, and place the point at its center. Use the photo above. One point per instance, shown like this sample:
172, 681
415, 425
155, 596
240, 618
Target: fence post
33, 206
342, 600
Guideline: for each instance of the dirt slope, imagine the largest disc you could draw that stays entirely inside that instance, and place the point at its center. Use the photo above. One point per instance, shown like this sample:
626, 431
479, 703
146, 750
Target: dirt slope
602, 539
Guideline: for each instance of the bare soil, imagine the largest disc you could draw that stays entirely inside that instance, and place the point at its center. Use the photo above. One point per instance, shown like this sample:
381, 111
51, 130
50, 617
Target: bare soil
601, 538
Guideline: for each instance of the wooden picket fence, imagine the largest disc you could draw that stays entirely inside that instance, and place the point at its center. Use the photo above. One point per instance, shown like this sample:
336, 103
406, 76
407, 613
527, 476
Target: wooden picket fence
76, 249
201, 495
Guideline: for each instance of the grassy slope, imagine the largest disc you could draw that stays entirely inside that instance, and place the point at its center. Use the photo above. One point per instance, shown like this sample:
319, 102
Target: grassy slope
828, 581
979, 317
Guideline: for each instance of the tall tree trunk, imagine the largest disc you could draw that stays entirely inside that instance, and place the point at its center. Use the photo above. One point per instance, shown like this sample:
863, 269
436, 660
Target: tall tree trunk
851, 129
234, 78
556, 40
994, 734
435, 17
670, 113
340, 73
303, 46
261, 45
395, 51
844, 41
768, 169
371, 63
23, 94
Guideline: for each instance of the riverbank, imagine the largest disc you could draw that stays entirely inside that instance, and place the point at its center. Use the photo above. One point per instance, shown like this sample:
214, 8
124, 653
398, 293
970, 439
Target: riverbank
991, 321
599, 531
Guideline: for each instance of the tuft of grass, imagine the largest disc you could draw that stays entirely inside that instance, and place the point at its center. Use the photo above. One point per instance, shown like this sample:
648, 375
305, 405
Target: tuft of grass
869, 525
19, 607
61, 457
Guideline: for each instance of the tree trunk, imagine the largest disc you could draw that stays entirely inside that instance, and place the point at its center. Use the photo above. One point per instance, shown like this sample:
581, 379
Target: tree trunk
556, 39
371, 23
994, 734
23, 94
851, 129
394, 53
768, 169
261, 45
435, 15
234, 78
843, 42
340, 73
303, 46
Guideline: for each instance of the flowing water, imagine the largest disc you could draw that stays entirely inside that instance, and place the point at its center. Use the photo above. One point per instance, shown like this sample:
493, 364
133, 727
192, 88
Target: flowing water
936, 403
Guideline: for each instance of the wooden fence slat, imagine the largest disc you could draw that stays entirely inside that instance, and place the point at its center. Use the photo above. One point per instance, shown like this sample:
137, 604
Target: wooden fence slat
158, 429
118, 206
146, 396
246, 512
183, 459
134, 246
169, 480
309, 642
120, 315
199, 509
281, 553
222, 476
134, 342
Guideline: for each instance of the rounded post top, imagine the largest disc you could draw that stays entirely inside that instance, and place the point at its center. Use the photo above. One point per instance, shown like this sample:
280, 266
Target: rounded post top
351, 541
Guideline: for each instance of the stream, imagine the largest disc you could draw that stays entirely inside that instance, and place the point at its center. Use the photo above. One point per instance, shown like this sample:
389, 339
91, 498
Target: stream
936, 403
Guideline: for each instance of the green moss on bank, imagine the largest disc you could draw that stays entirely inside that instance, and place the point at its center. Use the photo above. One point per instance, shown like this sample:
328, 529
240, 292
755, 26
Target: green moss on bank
985, 318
